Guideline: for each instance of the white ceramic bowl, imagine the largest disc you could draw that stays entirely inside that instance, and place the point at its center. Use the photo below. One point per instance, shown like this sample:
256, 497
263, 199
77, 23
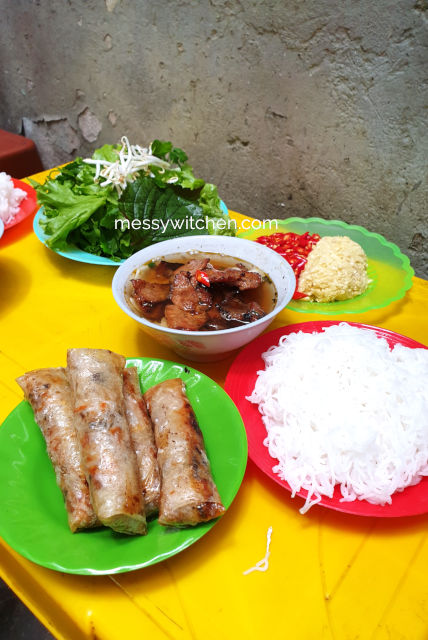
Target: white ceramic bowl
204, 346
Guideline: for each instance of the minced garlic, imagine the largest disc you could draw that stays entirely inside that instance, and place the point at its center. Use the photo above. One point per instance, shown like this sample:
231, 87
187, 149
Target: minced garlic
336, 270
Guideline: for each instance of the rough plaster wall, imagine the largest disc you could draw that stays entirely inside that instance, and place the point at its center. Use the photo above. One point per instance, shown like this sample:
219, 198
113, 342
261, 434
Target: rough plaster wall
304, 107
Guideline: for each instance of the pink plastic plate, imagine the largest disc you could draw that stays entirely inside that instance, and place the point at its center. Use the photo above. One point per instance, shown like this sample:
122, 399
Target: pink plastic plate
28, 205
240, 382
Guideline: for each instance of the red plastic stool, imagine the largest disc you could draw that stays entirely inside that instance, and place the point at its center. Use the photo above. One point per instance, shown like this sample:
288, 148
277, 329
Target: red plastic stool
18, 155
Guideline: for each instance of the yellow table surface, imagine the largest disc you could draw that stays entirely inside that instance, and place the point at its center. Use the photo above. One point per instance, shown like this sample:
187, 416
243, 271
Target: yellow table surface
331, 575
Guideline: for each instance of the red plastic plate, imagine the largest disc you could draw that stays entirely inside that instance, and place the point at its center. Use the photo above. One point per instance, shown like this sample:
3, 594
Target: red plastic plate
28, 205
240, 382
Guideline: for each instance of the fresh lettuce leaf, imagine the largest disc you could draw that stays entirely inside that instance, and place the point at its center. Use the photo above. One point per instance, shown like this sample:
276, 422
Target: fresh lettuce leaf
187, 180
218, 222
69, 200
98, 234
210, 201
107, 152
74, 212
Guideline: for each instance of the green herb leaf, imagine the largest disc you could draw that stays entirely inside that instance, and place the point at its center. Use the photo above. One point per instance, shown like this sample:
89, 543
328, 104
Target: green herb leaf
162, 213
161, 149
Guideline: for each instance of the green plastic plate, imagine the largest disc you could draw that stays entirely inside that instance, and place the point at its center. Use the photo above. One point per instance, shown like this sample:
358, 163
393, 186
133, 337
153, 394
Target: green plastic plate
389, 270
33, 517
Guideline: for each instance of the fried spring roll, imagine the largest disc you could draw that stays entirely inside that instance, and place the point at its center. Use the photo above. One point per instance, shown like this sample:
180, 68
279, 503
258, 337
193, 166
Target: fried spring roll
188, 493
143, 440
108, 458
49, 393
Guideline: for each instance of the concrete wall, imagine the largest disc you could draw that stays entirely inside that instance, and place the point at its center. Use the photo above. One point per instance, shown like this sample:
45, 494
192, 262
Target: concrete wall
297, 107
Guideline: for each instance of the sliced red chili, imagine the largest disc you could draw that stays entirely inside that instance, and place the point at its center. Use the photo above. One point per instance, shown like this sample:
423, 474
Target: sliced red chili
294, 248
202, 277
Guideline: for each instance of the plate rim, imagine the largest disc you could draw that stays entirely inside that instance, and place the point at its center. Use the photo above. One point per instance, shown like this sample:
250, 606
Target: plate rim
379, 511
192, 538
296, 305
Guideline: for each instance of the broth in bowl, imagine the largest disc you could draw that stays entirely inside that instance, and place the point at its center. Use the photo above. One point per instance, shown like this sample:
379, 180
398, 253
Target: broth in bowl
199, 291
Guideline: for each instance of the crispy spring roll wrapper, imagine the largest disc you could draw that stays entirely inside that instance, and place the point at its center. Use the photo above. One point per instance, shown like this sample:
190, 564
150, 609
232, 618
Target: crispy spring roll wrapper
188, 492
143, 440
107, 455
49, 393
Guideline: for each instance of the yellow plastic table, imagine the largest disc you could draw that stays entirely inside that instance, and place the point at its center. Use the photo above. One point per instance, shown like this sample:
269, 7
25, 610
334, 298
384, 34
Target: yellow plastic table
331, 575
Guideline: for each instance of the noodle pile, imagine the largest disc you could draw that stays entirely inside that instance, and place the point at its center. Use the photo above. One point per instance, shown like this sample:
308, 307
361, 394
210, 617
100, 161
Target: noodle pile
340, 407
